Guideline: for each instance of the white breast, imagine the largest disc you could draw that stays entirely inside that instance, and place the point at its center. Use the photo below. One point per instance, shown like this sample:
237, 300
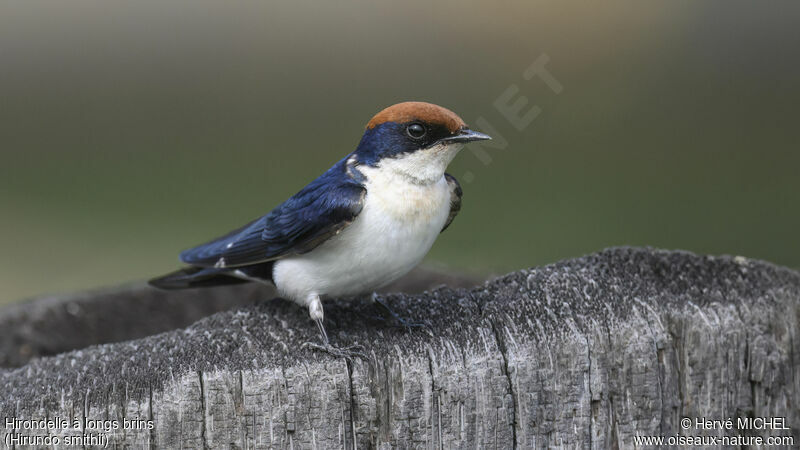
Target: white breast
394, 231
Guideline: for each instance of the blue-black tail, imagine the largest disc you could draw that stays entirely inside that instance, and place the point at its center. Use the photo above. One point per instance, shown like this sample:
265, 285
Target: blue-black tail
195, 277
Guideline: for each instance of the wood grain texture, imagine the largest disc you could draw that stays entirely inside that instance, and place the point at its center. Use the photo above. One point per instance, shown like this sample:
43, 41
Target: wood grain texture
583, 353
50, 325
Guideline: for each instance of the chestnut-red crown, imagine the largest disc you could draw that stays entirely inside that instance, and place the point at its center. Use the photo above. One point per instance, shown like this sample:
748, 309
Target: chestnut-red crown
421, 111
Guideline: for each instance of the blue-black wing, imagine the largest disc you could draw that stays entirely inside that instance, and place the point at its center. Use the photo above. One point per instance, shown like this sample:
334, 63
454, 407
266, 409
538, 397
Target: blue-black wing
298, 225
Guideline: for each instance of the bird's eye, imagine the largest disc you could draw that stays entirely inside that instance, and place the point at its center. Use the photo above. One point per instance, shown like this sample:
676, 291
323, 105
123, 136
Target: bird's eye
416, 130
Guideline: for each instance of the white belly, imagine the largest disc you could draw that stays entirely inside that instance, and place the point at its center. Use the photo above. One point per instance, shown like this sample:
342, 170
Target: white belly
391, 235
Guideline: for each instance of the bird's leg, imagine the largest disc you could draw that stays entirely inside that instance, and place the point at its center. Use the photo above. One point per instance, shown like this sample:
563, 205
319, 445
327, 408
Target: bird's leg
393, 316
317, 314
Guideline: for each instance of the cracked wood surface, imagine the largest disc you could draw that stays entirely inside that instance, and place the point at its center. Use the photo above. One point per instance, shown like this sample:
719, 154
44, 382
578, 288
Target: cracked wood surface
585, 352
56, 324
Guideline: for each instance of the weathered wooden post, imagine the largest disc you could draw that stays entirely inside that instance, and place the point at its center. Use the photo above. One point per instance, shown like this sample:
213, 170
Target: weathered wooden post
597, 351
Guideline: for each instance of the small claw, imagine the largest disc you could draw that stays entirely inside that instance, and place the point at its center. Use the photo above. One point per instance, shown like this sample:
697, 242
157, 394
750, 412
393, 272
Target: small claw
390, 315
403, 323
348, 352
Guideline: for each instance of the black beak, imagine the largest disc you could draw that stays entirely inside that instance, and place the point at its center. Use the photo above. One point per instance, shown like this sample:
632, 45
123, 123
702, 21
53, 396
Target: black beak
466, 135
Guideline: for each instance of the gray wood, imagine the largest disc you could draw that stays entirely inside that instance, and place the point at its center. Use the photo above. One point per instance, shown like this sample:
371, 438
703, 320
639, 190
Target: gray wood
587, 352
55, 324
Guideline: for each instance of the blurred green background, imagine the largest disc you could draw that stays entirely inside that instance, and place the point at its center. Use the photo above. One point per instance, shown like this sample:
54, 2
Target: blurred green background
132, 130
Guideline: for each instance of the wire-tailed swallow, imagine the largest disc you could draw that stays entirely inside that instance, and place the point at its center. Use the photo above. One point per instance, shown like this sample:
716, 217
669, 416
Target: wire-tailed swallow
362, 224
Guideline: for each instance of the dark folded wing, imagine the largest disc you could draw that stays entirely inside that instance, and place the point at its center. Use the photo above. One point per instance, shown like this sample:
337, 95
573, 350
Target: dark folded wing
309, 218
455, 199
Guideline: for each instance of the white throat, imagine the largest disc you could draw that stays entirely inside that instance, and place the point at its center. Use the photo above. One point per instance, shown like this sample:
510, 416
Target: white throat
424, 166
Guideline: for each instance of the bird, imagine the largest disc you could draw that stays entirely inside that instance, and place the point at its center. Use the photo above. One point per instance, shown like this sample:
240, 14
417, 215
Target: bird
365, 222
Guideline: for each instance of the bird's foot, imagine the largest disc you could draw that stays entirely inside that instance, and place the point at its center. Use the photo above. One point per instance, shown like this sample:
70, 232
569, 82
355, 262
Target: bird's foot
350, 352
391, 316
